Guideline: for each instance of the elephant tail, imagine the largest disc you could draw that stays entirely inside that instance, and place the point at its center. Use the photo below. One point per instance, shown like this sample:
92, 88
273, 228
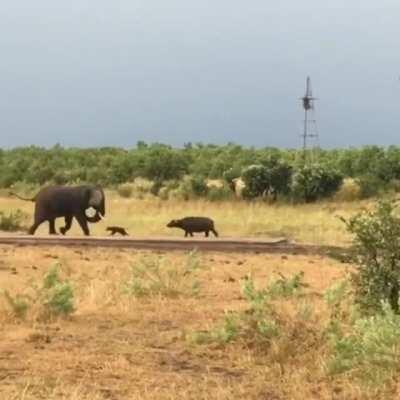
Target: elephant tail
22, 198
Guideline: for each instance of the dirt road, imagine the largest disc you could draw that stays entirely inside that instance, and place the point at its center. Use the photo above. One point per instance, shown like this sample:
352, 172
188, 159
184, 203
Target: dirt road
281, 246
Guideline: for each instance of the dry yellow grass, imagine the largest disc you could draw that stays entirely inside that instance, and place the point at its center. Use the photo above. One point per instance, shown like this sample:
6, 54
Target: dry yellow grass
118, 347
309, 223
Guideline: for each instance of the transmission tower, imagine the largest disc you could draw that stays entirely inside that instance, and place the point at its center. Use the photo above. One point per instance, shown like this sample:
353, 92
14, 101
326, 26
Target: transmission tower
310, 130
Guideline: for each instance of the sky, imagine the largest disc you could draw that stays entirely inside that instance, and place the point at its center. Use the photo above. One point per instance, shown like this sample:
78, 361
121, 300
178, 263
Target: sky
110, 73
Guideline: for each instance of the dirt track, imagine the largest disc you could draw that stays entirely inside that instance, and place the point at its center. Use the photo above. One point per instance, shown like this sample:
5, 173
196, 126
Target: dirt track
161, 243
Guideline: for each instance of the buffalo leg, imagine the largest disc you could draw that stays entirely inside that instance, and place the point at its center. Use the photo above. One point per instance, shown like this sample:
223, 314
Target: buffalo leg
83, 223
214, 232
68, 223
207, 232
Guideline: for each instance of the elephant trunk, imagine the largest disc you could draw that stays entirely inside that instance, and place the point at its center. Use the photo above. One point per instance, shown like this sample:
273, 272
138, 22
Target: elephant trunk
97, 201
96, 217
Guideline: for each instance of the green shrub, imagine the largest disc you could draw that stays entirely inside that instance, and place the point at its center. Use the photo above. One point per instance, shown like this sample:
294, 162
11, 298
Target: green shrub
219, 194
370, 185
257, 324
53, 298
371, 350
313, 182
270, 178
286, 287
13, 221
376, 255
157, 276
19, 304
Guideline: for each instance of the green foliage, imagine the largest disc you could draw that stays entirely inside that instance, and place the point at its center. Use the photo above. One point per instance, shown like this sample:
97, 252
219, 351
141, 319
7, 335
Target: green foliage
272, 177
156, 276
370, 185
257, 324
313, 182
287, 287
219, 194
371, 350
19, 304
53, 298
376, 253
13, 221
373, 167
224, 333
198, 186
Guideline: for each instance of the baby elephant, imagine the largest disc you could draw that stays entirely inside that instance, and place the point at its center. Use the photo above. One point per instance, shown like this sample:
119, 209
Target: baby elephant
117, 229
194, 224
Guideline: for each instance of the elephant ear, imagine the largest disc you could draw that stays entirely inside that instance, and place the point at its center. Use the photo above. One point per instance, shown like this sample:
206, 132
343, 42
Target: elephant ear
95, 198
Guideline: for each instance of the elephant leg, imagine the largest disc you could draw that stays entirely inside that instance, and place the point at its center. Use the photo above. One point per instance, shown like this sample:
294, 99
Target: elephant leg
68, 223
81, 218
52, 226
35, 225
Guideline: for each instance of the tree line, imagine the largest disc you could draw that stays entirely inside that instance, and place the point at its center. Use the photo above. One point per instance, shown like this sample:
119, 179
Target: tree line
265, 171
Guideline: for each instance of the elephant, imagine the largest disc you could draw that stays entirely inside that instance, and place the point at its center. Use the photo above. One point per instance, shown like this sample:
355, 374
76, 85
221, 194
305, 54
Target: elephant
52, 202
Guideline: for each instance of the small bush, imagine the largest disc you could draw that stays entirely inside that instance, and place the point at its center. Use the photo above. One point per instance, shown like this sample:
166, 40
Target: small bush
313, 182
376, 254
370, 185
53, 298
13, 221
19, 304
257, 324
371, 350
156, 276
219, 194
287, 287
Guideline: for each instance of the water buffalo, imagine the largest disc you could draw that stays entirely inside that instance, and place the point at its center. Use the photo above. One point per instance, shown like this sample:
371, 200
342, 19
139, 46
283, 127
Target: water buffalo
194, 224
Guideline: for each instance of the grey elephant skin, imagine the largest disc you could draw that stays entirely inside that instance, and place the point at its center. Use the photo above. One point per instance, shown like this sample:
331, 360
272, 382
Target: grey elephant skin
69, 202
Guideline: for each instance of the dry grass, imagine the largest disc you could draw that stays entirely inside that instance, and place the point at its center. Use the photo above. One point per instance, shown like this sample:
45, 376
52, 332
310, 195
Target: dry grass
119, 347
308, 223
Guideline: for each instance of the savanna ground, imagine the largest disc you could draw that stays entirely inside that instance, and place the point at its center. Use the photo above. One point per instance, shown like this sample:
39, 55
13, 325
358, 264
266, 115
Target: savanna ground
316, 223
118, 346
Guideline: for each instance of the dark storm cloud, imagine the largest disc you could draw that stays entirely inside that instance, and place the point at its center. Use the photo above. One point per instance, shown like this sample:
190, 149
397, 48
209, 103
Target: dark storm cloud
112, 73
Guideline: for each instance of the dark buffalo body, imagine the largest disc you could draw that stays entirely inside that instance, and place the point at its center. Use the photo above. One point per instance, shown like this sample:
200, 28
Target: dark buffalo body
194, 224
117, 229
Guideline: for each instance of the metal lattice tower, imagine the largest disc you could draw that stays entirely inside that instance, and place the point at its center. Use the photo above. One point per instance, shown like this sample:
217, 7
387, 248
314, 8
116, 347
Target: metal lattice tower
310, 130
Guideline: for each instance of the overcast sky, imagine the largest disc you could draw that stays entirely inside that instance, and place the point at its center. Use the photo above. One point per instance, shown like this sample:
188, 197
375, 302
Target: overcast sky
101, 72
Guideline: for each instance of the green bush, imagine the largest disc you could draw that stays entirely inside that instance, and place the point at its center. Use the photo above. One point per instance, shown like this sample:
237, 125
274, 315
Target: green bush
270, 178
256, 324
376, 255
313, 182
371, 350
198, 186
156, 276
219, 194
53, 298
370, 185
286, 287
